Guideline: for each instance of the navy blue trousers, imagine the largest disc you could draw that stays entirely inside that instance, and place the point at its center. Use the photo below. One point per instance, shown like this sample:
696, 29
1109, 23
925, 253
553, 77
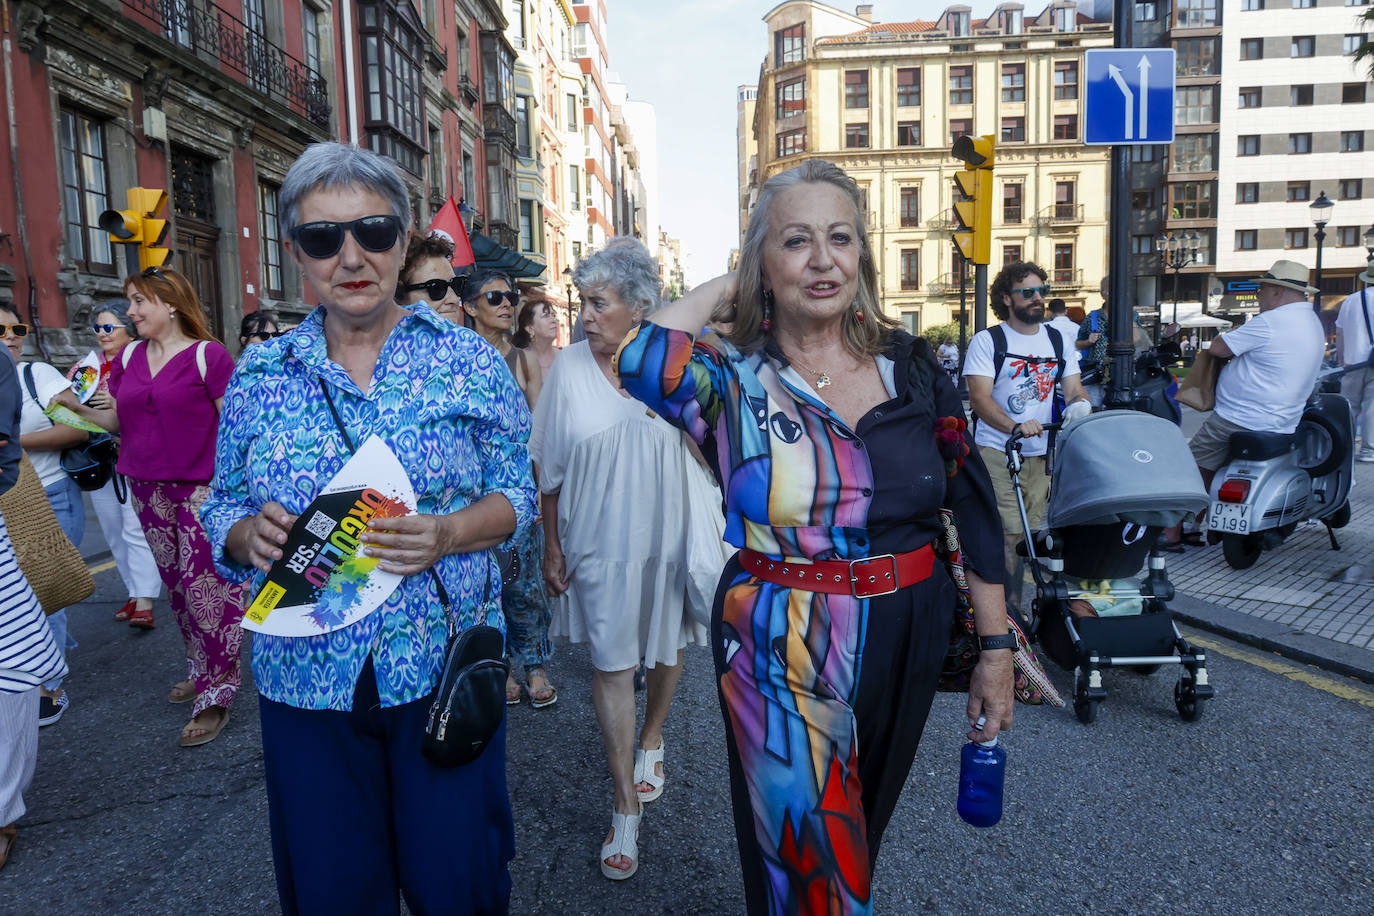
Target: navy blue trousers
359, 816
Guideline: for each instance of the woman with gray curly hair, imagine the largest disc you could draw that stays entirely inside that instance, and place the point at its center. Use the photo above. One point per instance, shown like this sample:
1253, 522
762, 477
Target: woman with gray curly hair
615, 481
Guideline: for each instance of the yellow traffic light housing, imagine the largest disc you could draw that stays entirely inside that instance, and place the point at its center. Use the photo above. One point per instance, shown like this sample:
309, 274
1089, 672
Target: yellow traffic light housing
973, 235
139, 225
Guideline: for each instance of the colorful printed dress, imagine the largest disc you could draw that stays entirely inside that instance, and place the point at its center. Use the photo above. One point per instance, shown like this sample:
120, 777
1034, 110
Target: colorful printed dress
824, 696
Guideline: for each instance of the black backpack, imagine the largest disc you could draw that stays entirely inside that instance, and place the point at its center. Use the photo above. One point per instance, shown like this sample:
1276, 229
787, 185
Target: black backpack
92, 463
999, 357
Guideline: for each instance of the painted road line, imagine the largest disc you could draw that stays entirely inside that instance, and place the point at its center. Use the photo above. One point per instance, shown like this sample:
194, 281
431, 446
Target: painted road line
103, 567
1346, 690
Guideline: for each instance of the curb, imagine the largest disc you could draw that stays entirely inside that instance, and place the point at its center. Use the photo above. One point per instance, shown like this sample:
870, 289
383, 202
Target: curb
1327, 654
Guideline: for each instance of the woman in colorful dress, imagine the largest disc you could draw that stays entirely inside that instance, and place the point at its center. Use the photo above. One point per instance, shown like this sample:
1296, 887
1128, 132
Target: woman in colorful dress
343, 712
833, 620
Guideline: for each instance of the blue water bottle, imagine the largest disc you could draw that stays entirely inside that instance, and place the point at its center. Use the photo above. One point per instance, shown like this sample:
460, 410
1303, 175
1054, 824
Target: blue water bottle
982, 768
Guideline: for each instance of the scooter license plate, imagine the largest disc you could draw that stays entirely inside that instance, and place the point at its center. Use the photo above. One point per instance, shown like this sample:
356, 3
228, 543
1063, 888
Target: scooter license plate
1233, 518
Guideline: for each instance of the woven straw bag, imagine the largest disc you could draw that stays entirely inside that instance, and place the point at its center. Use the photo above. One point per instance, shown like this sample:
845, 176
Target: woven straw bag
48, 559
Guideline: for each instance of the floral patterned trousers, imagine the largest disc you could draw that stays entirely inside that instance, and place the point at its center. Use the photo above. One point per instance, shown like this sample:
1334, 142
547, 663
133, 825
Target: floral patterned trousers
207, 608
526, 604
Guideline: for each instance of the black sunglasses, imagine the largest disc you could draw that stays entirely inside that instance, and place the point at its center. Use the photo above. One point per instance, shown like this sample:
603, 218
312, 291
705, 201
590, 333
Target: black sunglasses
494, 297
1029, 292
106, 328
18, 330
436, 289
324, 238
265, 335
154, 272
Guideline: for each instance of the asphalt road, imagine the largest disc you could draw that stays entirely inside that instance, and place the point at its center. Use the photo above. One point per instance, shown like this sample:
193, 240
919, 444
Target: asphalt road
1260, 807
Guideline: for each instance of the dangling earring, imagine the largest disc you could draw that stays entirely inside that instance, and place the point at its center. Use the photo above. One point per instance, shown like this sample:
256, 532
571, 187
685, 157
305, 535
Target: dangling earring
858, 313
766, 324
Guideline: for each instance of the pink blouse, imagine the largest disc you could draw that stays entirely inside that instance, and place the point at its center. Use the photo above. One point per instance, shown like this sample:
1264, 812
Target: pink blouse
168, 423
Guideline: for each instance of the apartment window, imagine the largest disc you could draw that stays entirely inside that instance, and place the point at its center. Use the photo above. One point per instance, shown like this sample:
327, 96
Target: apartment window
1250, 97
1143, 199
791, 98
1063, 263
1142, 153
572, 112
1251, 48
1351, 189
1195, 105
522, 128
1066, 127
1299, 144
1194, 153
911, 206
1248, 145
908, 133
959, 23
1249, 5
789, 45
791, 142
392, 84
1064, 200
1013, 130
1300, 95
1147, 11
576, 252
1350, 44
856, 136
908, 87
1192, 200
1010, 254
961, 85
959, 127
85, 190
527, 225
1299, 191
1247, 192
1012, 197
856, 89
1196, 14
911, 268
1304, 4
1302, 46
1347, 236
575, 187
1196, 56
1142, 244
1295, 238
1247, 240
1065, 79
269, 239
310, 26
1013, 82
1352, 92
1352, 141
469, 175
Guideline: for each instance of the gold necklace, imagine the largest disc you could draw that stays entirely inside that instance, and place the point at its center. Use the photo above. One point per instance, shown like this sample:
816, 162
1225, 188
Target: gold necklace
822, 379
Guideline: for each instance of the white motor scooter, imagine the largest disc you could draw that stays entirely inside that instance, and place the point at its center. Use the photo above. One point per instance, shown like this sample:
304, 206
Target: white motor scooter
1275, 481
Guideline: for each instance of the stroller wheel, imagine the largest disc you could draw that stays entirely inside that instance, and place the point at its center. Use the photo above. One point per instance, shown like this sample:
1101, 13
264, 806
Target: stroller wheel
1083, 706
1187, 701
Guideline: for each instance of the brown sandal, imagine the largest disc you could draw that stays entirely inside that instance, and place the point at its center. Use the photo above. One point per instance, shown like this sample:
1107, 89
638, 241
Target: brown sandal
183, 692
211, 732
7, 837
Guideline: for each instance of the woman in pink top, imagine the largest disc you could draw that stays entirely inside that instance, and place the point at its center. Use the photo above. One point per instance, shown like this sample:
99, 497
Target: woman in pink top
167, 389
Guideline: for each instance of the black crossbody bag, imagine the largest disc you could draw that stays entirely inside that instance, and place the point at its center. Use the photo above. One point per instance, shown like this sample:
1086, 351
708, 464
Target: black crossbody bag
470, 702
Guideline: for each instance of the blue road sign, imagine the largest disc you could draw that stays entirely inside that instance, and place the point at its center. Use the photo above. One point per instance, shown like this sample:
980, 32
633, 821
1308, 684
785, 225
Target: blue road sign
1128, 96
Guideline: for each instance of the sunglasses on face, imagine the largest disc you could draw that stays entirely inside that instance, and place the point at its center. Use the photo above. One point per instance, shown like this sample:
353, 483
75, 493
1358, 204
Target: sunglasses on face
494, 297
435, 290
1030, 292
106, 328
324, 238
18, 330
265, 335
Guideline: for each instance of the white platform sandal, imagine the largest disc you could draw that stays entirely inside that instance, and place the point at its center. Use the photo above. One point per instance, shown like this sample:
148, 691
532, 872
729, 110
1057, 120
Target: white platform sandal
646, 770
624, 842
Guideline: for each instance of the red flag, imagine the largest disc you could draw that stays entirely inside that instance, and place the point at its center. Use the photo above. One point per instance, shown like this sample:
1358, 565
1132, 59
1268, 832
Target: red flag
449, 224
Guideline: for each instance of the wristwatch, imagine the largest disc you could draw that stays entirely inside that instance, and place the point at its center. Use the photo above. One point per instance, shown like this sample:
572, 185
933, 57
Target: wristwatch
1005, 641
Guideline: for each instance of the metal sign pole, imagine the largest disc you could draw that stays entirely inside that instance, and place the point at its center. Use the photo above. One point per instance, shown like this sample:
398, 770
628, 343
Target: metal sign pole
1121, 316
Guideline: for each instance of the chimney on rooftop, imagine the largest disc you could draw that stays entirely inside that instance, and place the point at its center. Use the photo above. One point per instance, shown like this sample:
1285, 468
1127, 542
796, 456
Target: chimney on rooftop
864, 11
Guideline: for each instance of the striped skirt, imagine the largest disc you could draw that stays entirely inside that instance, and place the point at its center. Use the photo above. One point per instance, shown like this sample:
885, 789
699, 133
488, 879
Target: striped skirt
28, 655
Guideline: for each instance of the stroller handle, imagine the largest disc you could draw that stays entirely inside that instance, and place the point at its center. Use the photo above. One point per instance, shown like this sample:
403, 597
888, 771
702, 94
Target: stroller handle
1014, 443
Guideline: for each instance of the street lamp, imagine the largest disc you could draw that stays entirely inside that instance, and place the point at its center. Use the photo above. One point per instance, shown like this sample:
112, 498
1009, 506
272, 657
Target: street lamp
568, 285
1321, 214
1175, 253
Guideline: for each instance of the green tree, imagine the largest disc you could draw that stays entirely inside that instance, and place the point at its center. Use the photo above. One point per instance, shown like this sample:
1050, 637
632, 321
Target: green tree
940, 333
1365, 53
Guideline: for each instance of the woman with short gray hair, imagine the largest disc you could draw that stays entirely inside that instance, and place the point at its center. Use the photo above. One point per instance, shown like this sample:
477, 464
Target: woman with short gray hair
616, 481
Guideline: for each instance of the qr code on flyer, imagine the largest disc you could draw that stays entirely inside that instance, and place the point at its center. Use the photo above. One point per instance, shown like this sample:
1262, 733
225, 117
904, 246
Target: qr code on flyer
320, 525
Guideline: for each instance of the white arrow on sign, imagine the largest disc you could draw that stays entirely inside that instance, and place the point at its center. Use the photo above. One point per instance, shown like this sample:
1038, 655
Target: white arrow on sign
1144, 67
1115, 73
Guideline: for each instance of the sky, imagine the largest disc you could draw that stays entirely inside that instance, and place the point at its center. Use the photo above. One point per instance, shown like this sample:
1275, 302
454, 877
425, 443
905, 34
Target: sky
688, 60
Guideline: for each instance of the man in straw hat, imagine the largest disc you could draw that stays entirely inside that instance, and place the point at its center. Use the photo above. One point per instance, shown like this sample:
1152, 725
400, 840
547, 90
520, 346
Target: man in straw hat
1355, 347
1273, 363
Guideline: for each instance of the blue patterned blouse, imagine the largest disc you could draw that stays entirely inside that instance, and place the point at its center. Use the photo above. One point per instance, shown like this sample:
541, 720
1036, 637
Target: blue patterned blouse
444, 401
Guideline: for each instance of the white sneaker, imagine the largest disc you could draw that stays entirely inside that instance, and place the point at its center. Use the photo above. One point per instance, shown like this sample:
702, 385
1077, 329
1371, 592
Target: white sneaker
1366, 456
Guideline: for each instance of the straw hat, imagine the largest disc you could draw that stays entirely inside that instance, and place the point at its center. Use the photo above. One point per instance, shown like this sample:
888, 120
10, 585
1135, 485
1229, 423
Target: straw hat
1368, 275
1288, 274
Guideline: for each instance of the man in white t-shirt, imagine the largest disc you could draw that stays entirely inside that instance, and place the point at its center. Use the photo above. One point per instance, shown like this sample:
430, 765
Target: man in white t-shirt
1354, 347
1011, 387
1059, 318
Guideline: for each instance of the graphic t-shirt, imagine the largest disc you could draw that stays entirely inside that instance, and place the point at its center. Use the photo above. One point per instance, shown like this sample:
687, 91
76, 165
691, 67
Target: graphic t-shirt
1024, 388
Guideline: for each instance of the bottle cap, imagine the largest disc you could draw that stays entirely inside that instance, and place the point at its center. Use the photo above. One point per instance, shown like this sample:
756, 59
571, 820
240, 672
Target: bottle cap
992, 743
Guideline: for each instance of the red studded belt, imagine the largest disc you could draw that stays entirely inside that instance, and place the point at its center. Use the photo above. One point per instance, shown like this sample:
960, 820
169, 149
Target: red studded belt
866, 577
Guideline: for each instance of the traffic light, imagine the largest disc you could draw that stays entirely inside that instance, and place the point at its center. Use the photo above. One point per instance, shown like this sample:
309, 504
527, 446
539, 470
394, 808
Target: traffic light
139, 225
974, 213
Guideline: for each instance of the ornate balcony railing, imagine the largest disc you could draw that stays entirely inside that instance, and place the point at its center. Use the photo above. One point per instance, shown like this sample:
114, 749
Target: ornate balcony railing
207, 28
1060, 215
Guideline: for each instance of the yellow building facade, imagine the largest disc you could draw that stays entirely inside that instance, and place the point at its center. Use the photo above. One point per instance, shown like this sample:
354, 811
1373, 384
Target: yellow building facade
885, 101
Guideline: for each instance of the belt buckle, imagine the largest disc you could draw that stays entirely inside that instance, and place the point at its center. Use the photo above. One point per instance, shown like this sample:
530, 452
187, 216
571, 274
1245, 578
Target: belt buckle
855, 583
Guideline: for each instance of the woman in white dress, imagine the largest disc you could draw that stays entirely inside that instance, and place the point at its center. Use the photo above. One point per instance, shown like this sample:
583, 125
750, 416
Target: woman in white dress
616, 480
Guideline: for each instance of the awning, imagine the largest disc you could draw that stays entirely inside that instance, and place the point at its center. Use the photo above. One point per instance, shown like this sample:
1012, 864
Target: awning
498, 257
1204, 321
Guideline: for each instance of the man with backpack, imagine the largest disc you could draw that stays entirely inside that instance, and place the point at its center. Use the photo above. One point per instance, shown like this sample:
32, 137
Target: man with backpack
1011, 370
1355, 347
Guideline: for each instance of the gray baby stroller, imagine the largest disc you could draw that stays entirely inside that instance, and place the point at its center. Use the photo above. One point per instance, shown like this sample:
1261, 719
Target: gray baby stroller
1118, 478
